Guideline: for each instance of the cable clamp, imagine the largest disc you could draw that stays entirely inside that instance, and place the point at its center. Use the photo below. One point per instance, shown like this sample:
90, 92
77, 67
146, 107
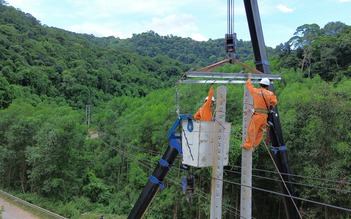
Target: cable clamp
158, 182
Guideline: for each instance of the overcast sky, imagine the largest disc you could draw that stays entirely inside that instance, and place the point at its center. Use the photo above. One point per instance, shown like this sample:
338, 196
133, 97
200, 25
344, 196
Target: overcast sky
198, 19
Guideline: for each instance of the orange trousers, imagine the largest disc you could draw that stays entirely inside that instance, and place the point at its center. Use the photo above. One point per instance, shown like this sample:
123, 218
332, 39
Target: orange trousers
256, 130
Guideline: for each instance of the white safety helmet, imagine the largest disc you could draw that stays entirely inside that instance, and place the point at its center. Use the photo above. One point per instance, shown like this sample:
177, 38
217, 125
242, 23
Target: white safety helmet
213, 99
265, 81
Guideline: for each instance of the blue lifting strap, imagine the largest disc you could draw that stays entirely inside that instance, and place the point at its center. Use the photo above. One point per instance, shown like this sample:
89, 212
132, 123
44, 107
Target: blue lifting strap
175, 144
281, 148
158, 182
184, 184
163, 163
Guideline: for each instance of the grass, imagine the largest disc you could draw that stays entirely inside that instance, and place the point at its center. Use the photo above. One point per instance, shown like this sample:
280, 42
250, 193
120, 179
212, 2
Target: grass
97, 216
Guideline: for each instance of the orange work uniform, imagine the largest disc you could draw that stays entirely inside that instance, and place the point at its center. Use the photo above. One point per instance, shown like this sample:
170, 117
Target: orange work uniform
205, 112
262, 99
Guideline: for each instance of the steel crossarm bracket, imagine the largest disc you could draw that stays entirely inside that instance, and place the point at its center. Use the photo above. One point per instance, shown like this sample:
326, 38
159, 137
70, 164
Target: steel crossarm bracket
215, 82
224, 78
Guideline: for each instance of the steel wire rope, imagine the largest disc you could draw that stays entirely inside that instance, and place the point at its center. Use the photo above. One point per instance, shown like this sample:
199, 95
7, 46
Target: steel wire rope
230, 16
145, 163
256, 188
295, 183
201, 194
132, 146
282, 194
285, 195
281, 177
227, 206
138, 148
300, 176
127, 155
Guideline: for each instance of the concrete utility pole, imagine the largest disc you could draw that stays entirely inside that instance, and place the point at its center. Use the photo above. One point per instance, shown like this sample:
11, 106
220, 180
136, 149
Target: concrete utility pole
218, 154
246, 160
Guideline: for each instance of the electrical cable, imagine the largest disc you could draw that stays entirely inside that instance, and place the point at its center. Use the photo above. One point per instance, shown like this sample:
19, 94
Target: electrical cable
235, 183
294, 175
295, 183
285, 195
145, 163
282, 179
297, 198
206, 197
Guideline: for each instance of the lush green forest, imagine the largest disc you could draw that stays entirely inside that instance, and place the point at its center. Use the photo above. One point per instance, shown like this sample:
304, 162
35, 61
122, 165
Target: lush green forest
50, 77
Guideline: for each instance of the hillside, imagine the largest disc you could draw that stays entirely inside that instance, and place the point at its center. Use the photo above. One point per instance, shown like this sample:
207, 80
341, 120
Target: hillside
46, 61
50, 77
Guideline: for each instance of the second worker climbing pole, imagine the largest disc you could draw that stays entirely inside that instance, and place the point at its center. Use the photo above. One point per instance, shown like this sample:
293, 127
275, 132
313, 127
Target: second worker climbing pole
276, 136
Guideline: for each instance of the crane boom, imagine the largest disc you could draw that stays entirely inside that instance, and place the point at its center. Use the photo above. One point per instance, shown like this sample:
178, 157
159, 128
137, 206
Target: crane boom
276, 136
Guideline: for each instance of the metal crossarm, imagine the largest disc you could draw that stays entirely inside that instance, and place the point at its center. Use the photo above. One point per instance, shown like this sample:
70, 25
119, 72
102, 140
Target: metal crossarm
223, 78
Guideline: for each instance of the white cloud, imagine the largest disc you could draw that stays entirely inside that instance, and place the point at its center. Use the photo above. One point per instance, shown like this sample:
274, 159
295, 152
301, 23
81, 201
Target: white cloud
284, 8
98, 30
175, 24
103, 8
198, 19
198, 37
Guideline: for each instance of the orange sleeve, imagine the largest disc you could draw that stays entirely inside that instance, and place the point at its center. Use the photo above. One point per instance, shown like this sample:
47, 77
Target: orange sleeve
209, 99
205, 112
249, 85
197, 115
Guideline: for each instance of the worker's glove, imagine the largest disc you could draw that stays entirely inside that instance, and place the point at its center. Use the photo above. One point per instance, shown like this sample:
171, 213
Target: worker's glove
249, 75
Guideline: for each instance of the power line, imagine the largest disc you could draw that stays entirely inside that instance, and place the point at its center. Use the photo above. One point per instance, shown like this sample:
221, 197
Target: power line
205, 196
294, 175
230, 209
294, 197
295, 183
235, 183
282, 194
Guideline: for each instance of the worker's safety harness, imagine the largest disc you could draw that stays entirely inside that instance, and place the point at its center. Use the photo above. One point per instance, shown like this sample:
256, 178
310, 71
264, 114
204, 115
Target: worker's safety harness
260, 110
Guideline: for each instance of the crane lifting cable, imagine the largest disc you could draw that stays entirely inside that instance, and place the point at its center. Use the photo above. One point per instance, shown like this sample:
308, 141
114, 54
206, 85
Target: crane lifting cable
230, 37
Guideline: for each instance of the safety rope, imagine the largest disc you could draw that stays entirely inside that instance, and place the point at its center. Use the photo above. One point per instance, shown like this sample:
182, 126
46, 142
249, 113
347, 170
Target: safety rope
281, 177
177, 99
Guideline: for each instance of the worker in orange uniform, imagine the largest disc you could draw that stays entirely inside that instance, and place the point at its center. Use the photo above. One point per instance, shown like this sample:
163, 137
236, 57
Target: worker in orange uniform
264, 100
205, 112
